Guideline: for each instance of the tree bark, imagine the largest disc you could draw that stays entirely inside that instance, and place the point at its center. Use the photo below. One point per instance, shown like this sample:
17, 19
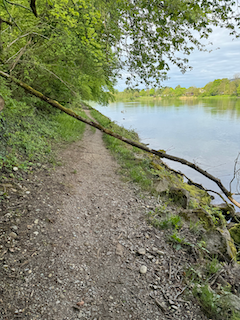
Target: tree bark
57, 105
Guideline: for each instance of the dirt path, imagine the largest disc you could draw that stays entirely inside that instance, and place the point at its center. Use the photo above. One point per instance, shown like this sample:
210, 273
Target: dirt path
76, 253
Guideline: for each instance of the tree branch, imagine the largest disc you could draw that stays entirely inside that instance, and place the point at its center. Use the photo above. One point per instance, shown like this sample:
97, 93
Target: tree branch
235, 171
57, 105
52, 73
25, 35
21, 52
17, 4
4, 2
5, 21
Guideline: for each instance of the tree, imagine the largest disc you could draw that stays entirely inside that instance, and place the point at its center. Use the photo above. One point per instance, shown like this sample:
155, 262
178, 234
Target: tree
64, 50
142, 93
178, 92
151, 92
238, 90
79, 46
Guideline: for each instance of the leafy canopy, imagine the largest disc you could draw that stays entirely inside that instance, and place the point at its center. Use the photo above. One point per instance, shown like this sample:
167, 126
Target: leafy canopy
79, 47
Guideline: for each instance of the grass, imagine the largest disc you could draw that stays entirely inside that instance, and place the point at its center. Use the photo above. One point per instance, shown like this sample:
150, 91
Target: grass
29, 129
134, 168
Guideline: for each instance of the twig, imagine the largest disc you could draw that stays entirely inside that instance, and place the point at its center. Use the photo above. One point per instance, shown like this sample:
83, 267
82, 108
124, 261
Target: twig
234, 171
215, 276
179, 261
170, 269
177, 295
4, 2
5, 21
208, 190
17, 4
158, 303
20, 55
56, 76
25, 35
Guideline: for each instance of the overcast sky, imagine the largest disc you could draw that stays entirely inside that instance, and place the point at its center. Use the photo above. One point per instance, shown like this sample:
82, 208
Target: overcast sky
223, 62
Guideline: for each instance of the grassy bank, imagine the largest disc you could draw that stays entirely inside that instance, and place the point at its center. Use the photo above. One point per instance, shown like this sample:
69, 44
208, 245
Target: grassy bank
30, 130
159, 98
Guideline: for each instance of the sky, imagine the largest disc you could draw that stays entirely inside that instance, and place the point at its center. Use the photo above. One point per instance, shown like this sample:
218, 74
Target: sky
222, 62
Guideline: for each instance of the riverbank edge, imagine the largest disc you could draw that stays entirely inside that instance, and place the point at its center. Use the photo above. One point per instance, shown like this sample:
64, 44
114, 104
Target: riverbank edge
145, 171
187, 98
181, 205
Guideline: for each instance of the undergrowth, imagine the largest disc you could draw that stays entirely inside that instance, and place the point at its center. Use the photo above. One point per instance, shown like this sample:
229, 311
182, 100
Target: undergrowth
135, 166
29, 129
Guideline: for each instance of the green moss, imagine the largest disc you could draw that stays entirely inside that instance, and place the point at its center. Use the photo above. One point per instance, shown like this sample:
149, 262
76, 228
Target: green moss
235, 233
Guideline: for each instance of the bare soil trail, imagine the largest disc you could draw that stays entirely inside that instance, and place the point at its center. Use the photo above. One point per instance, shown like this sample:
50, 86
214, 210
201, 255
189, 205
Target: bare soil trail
81, 244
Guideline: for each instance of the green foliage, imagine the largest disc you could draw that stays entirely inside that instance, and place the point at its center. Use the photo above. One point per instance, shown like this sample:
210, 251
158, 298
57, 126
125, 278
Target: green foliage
63, 52
212, 266
216, 215
163, 220
219, 87
208, 299
81, 45
27, 131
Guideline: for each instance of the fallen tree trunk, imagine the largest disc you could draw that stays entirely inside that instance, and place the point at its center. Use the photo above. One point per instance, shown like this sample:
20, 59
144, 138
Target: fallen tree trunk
57, 105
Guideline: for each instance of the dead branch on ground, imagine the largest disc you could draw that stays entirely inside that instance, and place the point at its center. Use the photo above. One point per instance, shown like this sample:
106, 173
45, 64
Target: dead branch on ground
138, 145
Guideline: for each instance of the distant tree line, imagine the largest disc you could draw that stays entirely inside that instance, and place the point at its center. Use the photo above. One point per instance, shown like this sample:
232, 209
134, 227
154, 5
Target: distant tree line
219, 87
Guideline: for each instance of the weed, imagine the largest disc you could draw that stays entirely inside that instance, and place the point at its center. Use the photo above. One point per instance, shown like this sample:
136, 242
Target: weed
212, 266
207, 298
28, 130
195, 227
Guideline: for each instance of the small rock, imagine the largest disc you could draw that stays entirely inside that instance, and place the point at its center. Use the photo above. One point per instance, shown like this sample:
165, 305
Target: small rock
143, 269
80, 303
141, 251
14, 227
15, 168
36, 221
27, 192
155, 250
35, 233
174, 307
13, 235
119, 250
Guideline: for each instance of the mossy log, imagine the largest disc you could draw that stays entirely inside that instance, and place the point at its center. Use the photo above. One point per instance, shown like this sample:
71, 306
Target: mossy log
160, 154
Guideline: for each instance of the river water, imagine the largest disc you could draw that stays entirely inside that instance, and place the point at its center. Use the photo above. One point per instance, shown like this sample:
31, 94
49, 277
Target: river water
206, 132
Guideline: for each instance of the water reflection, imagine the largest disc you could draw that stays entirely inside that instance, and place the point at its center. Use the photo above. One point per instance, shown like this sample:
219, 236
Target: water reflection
204, 131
